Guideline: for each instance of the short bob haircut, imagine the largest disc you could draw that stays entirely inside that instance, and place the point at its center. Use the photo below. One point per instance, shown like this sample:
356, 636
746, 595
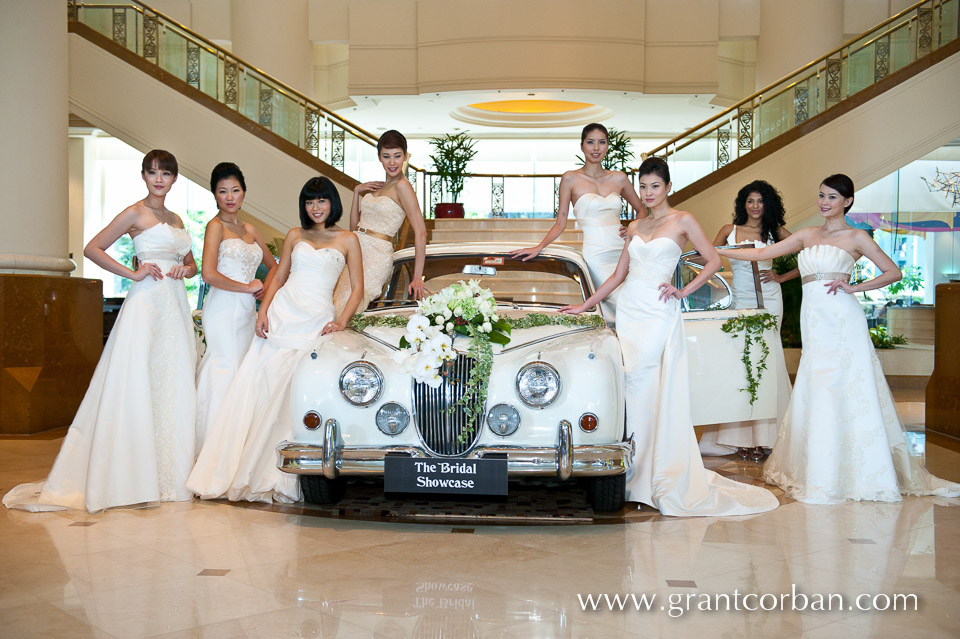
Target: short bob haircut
223, 171
773, 213
320, 188
163, 159
842, 185
655, 166
392, 139
590, 128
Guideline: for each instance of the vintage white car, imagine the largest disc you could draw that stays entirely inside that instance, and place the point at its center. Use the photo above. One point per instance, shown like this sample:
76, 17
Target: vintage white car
555, 401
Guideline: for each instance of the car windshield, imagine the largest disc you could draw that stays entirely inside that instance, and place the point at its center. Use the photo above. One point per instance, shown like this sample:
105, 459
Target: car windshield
550, 281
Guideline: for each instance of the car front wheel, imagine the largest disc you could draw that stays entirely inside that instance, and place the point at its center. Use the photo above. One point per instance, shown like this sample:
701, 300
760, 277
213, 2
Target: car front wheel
607, 494
317, 489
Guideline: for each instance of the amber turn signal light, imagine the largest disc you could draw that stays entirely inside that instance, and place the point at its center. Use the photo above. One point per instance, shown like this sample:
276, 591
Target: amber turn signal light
312, 420
588, 422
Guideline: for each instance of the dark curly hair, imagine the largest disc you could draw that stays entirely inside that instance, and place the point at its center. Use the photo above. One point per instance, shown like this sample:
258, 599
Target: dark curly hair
773, 213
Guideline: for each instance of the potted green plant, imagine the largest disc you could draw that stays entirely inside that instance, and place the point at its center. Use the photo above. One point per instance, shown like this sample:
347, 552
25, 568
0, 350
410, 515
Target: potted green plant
451, 154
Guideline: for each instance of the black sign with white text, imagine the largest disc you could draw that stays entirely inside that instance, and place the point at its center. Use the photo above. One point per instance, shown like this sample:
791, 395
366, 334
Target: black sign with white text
404, 474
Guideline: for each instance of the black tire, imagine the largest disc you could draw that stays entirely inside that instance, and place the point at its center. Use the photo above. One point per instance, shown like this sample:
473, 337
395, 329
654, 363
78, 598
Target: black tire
317, 489
607, 494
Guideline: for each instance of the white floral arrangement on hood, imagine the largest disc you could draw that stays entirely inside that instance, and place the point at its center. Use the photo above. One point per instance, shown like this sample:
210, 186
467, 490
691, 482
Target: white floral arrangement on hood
464, 308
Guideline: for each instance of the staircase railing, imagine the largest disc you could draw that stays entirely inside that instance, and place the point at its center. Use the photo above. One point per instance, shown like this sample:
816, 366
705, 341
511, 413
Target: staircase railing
789, 102
896, 42
261, 98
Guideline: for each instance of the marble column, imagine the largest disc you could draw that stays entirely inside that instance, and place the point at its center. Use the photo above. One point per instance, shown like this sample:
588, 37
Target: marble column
51, 325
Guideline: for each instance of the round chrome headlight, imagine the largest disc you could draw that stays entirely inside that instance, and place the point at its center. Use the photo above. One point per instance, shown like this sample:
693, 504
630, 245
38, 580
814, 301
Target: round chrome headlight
503, 419
392, 418
538, 384
361, 383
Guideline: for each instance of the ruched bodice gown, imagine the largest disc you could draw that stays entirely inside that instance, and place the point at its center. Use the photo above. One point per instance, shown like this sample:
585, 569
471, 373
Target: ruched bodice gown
239, 457
667, 472
599, 220
382, 215
228, 325
841, 438
132, 439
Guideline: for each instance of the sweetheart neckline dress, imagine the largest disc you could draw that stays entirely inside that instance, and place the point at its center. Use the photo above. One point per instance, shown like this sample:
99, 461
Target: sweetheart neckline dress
239, 457
667, 471
228, 327
841, 439
132, 439
598, 218
382, 215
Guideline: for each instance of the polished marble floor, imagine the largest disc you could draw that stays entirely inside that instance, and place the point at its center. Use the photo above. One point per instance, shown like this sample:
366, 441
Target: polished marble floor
216, 570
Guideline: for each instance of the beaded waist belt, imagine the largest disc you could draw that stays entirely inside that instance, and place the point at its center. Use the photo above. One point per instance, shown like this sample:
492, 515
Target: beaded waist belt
146, 256
376, 234
829, 277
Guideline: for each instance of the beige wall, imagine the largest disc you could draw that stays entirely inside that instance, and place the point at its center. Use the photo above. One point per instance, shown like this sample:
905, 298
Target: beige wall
335, 49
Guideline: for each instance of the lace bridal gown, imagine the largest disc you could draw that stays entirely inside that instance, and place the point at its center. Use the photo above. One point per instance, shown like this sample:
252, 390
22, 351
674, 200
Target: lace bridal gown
228, 327
239, 457
667, 471
132, 440
841, 439
382, 216
599, 219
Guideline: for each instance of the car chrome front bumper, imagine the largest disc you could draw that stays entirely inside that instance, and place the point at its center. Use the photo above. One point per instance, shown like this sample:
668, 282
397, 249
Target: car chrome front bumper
563, 460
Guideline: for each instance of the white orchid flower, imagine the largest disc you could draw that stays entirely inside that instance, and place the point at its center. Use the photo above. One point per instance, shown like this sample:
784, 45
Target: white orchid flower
417, 323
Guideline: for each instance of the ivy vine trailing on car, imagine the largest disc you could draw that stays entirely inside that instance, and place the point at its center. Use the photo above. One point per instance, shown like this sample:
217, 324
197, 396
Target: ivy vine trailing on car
752, 327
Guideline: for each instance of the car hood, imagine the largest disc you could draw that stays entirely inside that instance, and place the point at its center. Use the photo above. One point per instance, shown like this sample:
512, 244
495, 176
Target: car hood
518, 337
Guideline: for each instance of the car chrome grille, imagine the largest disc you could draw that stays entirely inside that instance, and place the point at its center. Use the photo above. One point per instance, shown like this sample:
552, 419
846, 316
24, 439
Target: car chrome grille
440, 430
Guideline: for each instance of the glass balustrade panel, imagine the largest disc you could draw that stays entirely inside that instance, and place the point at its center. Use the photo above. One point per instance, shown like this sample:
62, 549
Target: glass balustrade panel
210, 77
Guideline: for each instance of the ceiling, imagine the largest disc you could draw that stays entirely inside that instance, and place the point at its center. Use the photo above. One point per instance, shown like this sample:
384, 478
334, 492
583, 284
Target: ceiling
426, 115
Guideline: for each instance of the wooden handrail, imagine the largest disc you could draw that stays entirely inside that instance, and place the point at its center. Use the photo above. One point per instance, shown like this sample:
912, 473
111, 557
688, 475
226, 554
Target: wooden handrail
774, 85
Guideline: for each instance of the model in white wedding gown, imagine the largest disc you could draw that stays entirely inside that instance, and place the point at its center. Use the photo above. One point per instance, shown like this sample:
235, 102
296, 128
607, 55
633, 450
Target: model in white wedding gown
599, 219
723, 439
667, 471
381, 215
132, 440
841, 439
239, 458
228, 324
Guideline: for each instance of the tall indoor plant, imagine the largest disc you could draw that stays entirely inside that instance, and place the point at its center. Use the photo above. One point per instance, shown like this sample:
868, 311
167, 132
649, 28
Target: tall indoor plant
451, 154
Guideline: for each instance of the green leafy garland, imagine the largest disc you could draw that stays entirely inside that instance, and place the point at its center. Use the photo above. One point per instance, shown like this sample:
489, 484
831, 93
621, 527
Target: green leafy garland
531, 320
752, 327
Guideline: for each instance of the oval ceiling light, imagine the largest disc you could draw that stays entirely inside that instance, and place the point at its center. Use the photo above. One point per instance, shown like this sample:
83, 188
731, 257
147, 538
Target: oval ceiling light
530, 113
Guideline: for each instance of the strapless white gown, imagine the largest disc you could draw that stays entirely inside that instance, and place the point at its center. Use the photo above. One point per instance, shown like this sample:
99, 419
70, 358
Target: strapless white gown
599, 219
381, 214
132, 440
723, 439
228, 326
667, 471
841, 439
239, 457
